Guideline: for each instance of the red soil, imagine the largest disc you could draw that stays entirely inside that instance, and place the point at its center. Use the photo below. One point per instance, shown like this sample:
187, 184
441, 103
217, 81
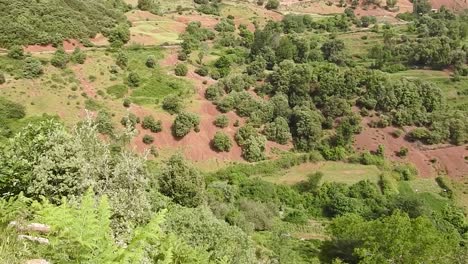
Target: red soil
99, 40
170, 60
205, 20
195, 146
86, 85
448, 159
456, 5
68, 45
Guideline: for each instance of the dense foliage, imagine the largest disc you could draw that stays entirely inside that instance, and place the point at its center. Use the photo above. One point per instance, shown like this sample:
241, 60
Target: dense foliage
44, 22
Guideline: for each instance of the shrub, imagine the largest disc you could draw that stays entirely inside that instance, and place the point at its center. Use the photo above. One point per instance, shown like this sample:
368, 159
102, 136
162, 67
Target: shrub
78, 56
214, 92
183, 124
122, 60
221, 142
421, 134
11, 110
16, 52
148, 139
181, 69
203, 71
221, 121
172, 104
148, 5
150, 61
150, 123
133, 79
130, 120
127, 102
397, 133
32, 68
245, 133
272, 4
104, 123
2, 78
403, 152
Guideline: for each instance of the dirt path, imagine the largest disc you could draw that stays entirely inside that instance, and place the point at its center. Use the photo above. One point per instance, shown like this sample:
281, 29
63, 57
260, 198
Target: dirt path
86, 85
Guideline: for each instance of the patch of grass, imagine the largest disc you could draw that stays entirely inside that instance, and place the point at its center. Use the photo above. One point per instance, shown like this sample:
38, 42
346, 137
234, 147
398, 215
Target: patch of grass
117, 91
155, 83
347, 173
425, 191
93, 105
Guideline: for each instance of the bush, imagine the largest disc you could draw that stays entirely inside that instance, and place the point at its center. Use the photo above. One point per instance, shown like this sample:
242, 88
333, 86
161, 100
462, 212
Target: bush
221, 142
11, 110
78, 56
130, 120
221, 121
150, 123
214, 92
421, 134
32, 68
403, 152
16, 52
183, 124
122, 60
133, 79
203, 71
148, 139
172, 104
272, 4
2, 78
59, 59
150, 61
127, 102
181, 69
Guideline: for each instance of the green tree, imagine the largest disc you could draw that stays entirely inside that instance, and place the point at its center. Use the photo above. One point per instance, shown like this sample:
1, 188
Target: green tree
278, 130
184, 123
221, 142
253, 148
306, 128
200, 228
150, 61
2, 78
181, 182
119, 35
133, 79
392, 239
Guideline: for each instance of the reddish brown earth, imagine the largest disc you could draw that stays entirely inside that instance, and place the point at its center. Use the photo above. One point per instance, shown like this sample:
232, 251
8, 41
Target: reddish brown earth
195, 146
68, 45
86, 85
448, 159
205, 20
456, 5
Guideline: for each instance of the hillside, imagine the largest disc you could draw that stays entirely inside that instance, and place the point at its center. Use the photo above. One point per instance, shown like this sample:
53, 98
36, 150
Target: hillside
233, 132
27, 22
